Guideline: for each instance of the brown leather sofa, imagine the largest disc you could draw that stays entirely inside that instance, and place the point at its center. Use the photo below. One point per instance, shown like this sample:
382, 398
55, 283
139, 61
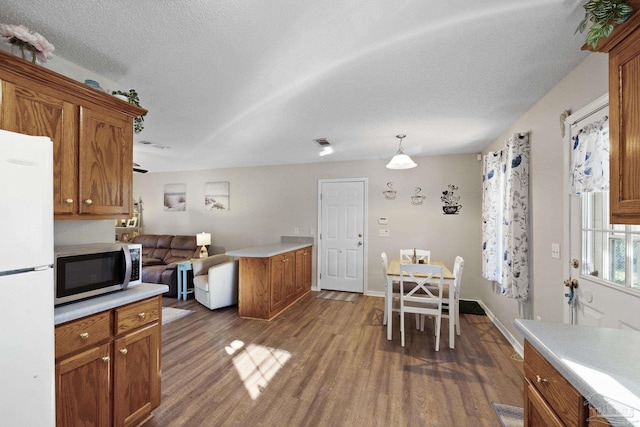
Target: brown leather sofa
160, 255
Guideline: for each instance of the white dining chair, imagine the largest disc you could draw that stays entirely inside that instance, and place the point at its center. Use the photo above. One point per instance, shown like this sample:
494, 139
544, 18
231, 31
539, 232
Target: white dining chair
451, 298
395, 293
458, 266
421, 295
406, 255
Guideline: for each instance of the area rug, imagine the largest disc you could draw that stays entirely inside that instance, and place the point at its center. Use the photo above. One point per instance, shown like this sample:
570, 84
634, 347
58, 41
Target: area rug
471, 307
169, 314
338, 296
510, 416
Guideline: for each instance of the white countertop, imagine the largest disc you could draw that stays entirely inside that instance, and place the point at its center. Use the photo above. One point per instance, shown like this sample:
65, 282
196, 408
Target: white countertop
89, 306
267, 251
602, 364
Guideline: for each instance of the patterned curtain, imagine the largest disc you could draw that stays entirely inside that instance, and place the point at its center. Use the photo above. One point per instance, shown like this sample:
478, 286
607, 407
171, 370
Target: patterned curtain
590, 158
505, 217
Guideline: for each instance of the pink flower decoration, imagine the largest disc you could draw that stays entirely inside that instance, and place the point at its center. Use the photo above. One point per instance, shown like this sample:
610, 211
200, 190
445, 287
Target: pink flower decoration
24, 38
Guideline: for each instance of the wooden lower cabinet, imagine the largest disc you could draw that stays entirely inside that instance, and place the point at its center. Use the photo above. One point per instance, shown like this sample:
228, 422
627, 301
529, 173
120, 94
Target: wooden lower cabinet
303, 270
270, 285
83, 388
281, 273
108, 366
538, 413
136, 367
549, 399
596, 419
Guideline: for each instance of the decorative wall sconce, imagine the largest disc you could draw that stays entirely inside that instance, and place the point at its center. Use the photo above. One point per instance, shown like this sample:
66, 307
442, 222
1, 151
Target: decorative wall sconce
416, 199
389, 194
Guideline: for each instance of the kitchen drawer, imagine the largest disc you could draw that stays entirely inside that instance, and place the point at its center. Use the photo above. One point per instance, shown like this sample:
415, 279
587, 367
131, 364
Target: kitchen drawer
82, 333
537, 411
134, 315
563, 398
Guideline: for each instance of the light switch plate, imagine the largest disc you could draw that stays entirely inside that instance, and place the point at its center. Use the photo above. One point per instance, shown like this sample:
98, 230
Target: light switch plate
383, 233
555, 250
383, 220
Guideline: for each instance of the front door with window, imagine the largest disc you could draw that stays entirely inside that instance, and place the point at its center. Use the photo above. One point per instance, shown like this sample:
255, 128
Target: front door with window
608, 293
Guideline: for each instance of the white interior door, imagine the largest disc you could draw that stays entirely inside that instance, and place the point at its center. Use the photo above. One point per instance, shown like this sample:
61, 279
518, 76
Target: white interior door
342, 239
608, 293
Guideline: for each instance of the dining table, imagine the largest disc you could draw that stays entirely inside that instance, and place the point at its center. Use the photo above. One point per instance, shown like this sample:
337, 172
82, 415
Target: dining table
448, 280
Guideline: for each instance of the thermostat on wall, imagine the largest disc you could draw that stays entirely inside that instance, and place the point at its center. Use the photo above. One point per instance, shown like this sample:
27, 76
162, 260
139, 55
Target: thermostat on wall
383, 220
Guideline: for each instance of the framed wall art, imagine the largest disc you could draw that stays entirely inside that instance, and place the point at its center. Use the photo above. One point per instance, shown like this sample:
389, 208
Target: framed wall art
175, 197
216, 196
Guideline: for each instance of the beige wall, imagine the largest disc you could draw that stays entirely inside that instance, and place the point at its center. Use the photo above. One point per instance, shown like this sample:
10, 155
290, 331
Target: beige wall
268, 202
584, 84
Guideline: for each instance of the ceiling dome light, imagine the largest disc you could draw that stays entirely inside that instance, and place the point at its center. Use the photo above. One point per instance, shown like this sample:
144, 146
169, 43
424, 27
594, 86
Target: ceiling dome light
401, 160
326, 151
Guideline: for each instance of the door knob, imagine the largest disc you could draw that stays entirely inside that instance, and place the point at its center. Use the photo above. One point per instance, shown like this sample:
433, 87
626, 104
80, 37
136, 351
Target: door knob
68, 201
88, 201
359, 243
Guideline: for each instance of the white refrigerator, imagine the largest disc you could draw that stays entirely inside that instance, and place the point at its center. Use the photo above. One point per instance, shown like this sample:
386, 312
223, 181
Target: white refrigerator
27, 365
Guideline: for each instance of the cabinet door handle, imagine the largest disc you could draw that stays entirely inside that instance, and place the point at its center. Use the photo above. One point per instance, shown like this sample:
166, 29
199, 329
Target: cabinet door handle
84, 336
68, 201
142, 315
124, 351
106, 359
88, 201
541, 380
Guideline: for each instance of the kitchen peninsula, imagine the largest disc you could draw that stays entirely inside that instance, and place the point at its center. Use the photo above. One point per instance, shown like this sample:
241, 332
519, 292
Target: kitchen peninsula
579, 375
273, 277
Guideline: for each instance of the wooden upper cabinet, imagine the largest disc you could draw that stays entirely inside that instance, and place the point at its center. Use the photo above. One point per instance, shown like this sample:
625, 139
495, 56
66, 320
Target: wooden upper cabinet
624, 110
105, 162
32, 112
623, 47
92, 133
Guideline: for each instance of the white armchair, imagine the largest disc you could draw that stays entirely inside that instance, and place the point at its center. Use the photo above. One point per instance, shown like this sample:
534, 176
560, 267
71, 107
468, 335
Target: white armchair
215, 281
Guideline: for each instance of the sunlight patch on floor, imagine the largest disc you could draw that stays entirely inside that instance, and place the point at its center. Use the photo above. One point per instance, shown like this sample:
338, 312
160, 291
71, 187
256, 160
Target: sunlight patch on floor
256, 364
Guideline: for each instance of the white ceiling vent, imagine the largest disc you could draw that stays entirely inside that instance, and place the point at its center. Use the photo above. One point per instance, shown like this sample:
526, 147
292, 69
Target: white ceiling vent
137, 168
153, 144
322, 142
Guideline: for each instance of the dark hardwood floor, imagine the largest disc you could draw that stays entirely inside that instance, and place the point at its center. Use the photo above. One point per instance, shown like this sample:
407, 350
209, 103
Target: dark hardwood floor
328, 363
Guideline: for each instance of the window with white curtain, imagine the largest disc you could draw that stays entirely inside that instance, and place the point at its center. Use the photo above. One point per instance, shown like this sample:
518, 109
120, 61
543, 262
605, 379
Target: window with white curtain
505, 217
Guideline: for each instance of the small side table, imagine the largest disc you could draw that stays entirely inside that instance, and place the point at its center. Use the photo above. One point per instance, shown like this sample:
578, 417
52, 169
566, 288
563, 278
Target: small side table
183, 290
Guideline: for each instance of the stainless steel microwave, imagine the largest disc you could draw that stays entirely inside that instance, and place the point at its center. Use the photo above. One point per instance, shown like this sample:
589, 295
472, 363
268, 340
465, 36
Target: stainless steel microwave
84, 271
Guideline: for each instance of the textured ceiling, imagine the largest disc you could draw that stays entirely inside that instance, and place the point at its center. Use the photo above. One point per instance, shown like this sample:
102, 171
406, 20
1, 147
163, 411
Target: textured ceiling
242, 83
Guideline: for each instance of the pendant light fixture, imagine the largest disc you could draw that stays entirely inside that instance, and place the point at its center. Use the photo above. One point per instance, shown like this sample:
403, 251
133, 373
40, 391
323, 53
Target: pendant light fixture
401, 160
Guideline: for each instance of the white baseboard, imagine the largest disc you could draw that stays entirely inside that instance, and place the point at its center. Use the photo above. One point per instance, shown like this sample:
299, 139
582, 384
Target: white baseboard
379, 294
512, 340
